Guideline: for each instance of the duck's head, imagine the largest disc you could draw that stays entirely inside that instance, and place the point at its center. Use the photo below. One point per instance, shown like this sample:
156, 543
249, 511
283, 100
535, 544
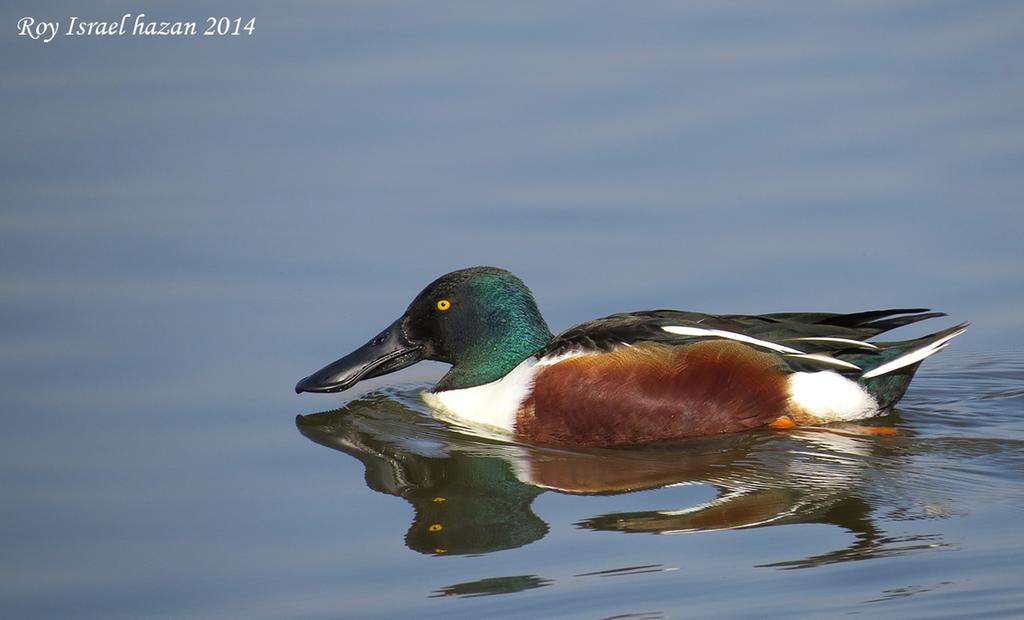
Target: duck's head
482, 320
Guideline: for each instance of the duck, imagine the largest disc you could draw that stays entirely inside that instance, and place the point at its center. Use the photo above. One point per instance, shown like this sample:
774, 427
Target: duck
636, 377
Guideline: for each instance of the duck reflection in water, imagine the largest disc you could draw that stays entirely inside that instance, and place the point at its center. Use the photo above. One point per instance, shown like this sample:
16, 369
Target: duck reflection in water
474, 495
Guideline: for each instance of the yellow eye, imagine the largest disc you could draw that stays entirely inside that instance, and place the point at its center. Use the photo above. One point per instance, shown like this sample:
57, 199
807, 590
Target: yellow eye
443, 305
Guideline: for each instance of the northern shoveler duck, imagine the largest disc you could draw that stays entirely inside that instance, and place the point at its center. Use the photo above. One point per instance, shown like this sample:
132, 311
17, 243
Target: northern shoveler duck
640, 376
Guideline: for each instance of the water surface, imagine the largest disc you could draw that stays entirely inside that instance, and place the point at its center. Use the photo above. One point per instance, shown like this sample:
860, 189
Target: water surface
188, 226
866, 515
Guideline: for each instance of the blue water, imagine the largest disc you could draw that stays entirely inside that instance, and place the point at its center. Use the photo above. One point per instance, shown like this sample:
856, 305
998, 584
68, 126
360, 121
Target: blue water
190, 225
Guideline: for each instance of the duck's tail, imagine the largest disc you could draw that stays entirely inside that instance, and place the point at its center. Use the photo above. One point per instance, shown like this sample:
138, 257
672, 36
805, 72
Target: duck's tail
888, 371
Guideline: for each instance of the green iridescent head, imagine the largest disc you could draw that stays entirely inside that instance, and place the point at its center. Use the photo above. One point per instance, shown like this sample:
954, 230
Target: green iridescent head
481, 320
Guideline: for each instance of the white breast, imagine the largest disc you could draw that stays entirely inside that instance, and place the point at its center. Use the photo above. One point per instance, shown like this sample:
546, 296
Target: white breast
493, 405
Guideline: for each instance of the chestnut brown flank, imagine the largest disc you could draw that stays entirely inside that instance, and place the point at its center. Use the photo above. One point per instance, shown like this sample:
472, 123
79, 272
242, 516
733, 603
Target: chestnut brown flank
653, 391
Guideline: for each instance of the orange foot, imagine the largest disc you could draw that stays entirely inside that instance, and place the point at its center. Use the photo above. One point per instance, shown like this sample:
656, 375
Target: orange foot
785, 422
